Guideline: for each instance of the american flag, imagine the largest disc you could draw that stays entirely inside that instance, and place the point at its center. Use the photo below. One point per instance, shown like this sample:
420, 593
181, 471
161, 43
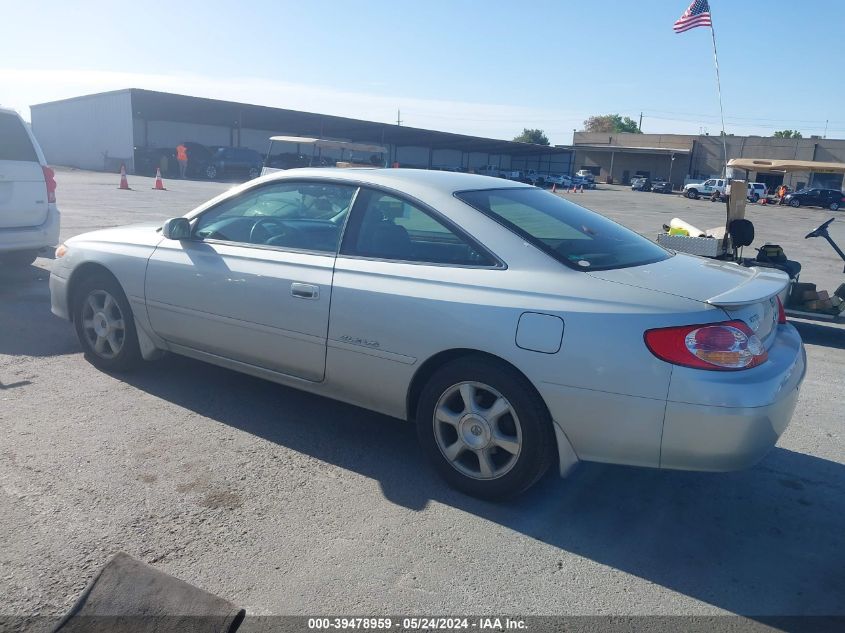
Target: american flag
698, 14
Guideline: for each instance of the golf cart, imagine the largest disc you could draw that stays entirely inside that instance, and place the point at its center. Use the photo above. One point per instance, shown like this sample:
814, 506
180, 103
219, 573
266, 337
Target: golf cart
800, 300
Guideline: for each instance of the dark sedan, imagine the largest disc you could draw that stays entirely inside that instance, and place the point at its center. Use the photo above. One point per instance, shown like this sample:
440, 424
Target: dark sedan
233, 162
828, 198
661, 186
640, 183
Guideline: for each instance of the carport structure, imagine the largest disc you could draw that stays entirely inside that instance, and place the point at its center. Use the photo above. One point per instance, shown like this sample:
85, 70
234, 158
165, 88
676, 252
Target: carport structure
251, 126
102, 130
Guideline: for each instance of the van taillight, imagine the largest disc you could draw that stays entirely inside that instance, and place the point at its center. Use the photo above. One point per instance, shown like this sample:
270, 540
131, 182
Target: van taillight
50, 181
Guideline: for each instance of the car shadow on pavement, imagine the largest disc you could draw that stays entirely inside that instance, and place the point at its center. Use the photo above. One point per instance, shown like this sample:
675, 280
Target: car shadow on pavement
766, 541
27, 327
820, 334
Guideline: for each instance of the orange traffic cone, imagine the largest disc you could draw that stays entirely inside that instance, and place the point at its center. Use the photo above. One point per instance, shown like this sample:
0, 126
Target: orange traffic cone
554, 187
573, 188
124, 184
159, 186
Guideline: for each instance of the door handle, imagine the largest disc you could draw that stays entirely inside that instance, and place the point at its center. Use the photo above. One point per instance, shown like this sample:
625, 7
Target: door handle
304, 291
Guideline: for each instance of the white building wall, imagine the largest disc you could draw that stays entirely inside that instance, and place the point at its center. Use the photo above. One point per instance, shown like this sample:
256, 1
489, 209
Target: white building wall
92, 132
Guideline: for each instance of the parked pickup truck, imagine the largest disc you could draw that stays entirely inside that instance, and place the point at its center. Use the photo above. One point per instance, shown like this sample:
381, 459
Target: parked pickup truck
694, 190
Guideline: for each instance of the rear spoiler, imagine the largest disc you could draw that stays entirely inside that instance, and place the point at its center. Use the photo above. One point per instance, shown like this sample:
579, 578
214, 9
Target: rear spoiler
765, 283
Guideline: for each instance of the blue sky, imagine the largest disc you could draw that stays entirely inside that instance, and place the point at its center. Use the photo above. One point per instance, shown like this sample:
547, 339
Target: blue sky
488, 68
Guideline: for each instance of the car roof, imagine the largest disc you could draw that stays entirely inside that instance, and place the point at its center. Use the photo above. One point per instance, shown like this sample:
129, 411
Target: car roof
409, 180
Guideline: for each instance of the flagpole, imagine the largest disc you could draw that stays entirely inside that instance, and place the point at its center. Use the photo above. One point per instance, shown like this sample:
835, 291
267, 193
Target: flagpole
719, 88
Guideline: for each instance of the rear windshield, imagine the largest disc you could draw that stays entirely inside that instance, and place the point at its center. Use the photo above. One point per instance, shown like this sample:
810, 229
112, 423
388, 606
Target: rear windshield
579, 238
14, 141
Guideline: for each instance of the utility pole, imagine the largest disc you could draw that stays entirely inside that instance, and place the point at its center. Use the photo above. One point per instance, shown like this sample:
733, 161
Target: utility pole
825, 128
640, 126
398, 117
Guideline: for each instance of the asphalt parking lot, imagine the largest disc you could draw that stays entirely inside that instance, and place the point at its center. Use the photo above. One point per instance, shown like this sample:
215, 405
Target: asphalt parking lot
287, 503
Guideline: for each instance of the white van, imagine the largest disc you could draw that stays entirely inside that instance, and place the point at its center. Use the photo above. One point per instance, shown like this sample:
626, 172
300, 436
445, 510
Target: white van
29, 218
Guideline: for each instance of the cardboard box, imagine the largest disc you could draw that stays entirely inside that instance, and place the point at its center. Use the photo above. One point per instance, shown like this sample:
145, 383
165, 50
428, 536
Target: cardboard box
819, 305
823, 295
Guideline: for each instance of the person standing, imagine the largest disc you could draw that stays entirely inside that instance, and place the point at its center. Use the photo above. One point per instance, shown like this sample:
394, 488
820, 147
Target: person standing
182, 158
781, 194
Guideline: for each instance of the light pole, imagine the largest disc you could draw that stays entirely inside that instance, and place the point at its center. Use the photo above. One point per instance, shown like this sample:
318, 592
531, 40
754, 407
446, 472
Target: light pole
671, 165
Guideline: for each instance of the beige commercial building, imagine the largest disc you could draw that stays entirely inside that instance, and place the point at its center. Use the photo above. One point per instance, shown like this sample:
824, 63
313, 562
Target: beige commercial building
682, 157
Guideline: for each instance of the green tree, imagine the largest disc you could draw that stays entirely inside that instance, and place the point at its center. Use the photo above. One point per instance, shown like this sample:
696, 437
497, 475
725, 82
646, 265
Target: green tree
611, 123
788, 134
538, 137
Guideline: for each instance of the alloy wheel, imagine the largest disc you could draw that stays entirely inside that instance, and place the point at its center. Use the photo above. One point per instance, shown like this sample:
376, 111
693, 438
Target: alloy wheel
477, 430
102, 324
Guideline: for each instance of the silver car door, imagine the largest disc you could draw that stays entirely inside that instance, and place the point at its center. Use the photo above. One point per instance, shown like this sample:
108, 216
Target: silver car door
254, 284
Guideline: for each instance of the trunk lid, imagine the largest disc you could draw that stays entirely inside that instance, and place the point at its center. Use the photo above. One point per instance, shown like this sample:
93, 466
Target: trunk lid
748, 294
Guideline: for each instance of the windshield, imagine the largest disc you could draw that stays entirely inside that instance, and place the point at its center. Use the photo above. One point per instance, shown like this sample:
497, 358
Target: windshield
573, 235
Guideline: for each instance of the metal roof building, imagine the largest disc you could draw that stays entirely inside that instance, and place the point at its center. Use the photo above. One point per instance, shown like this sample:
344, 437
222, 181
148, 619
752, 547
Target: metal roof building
102, 130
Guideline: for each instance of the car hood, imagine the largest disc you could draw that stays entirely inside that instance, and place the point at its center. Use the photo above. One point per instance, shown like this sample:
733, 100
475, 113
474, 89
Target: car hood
701, 279
142, 233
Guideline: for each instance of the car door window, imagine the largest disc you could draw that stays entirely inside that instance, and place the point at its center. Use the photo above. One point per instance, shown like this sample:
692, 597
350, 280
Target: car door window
308, 216
388, 227
709, 183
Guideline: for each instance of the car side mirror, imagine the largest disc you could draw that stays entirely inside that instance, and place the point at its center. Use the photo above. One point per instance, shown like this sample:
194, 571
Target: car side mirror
176, 229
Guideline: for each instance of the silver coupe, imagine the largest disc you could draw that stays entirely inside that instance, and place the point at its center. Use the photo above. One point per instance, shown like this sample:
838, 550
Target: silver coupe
513, 327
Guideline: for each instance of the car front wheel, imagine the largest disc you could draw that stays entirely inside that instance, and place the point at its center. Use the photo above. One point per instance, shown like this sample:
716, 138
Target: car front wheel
795, 203
692, 194
254, 172
211, 172
105, 325
485, 428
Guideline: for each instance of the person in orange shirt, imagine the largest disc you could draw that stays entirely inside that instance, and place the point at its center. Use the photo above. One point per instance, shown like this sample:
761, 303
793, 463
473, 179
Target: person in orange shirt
182, 157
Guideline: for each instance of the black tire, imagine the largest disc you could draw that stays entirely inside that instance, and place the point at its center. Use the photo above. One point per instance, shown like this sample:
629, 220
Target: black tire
211, 172
755, 197
794, 203
254, 172
834, 206
129, 354
18, 259
692, 194
537, 447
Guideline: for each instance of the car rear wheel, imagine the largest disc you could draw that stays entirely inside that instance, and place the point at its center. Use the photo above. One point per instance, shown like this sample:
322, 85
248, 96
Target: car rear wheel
692, 194
18, 259
795, 203
211, 172
254, 172
105, 325
485, 428
834, 206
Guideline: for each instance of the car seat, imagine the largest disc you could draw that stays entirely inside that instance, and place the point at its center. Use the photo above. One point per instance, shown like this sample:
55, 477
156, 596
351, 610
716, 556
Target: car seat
380, 236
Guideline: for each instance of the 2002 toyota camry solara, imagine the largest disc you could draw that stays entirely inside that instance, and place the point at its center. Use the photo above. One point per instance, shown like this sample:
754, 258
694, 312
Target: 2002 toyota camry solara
512, 326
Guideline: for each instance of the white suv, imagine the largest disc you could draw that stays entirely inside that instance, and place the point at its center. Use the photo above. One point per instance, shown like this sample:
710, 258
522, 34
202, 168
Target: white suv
29, 218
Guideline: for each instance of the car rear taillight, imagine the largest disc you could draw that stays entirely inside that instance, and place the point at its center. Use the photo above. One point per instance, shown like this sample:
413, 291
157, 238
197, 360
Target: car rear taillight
724, 346
50, 181
781, 312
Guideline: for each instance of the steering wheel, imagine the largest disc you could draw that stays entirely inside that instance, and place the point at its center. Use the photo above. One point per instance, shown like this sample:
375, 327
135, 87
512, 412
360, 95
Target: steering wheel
819, 231
260, 222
